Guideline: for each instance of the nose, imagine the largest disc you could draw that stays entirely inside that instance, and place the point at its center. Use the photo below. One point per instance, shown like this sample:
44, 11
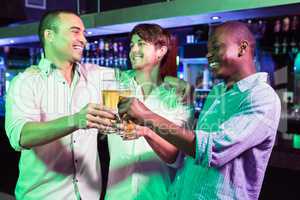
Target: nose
209, 55
134, 48
83, 39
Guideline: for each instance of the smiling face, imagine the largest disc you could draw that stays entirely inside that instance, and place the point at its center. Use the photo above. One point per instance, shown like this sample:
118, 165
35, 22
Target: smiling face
143, 54
223, 54
68, 41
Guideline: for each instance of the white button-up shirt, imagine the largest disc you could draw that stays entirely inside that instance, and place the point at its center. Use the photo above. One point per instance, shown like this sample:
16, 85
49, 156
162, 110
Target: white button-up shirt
67, 168
136, 172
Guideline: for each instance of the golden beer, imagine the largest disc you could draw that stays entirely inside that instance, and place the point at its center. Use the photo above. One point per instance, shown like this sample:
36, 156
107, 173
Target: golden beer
111, 98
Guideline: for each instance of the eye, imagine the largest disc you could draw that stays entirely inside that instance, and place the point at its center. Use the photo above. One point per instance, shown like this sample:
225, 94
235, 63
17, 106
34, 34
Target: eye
215, 46
75, 31
141, 43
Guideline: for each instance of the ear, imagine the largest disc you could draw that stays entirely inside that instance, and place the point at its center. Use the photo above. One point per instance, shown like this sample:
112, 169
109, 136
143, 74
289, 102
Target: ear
48, 35
161, 52
243, 47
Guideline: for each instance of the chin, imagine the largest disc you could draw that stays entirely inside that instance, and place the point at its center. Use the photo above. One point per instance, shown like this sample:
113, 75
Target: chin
76, 58
136, 67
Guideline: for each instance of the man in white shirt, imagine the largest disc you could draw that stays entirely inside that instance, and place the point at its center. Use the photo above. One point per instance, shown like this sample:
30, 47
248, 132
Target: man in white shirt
53, 117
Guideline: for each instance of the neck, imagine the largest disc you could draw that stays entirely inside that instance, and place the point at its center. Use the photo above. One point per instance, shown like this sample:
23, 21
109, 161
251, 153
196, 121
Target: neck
64, 66
246, 70
149, 79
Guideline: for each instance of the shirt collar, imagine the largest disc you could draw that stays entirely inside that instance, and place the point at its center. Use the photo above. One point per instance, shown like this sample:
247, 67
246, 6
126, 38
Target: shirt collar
252, 80
47, 67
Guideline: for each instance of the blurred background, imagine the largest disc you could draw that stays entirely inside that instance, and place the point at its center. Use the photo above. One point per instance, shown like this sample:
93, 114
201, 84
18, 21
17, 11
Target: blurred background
275, 24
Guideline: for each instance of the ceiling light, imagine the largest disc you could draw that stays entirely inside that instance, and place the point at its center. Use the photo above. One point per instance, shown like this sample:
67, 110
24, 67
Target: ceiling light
215, 17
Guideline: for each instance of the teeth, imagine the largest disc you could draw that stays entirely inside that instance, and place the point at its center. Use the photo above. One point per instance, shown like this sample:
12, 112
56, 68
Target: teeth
78, 47
213, 65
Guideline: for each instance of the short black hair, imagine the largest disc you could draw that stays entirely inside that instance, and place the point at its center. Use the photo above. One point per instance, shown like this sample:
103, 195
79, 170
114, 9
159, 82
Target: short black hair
239, 31
49, 21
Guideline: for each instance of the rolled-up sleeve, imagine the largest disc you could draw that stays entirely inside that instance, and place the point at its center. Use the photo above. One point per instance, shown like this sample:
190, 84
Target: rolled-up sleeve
256, 123
20, 108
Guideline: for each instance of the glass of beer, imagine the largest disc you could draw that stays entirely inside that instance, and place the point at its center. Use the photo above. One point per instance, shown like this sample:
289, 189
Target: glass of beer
113, 91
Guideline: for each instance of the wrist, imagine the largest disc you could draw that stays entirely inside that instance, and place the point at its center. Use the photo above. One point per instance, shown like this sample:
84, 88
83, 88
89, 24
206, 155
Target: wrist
74, 121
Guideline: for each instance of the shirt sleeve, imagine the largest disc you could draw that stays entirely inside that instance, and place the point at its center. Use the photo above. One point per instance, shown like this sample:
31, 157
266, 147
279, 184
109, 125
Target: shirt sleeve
186, 117
20, 108
255, 123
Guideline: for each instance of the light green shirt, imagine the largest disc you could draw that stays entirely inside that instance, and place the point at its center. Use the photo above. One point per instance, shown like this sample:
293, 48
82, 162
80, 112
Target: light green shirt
136, 172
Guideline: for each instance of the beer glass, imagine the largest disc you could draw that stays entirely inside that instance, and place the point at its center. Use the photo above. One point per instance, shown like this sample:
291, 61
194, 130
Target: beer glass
113, 90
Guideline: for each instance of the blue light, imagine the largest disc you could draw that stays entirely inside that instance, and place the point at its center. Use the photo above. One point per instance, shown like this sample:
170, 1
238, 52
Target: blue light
297, 63
180, 75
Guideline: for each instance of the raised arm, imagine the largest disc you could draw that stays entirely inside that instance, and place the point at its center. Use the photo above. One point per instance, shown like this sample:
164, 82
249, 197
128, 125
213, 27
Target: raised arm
25, 128
180, 137
166, 151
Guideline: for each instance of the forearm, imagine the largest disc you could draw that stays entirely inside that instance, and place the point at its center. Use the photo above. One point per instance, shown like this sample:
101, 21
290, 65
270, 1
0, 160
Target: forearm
166, 151
180, 137
39, 133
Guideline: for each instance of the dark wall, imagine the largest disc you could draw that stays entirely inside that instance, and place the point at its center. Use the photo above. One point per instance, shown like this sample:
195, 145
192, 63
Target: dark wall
35, 14
9, 163
11, 11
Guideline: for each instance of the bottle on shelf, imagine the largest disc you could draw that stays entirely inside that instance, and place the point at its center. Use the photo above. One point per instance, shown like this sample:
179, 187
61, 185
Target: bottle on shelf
101, 52
294, 36
106, 53
115, 54
276, 44
285, 35
86, 58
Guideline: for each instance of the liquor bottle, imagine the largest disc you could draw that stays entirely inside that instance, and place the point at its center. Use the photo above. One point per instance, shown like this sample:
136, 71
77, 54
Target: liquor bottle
120, 54
284, 45
285, 34
101, 52
294, 36
106, 53
93, 53
87, 53
277, 28
115, 54
261, 28
124, 60
111, 54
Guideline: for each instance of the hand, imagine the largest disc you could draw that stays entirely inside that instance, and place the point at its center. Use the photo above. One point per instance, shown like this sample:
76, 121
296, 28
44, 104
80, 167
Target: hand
183, 89
142, 131
130, 130
127, 130
95, 116
133, 109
